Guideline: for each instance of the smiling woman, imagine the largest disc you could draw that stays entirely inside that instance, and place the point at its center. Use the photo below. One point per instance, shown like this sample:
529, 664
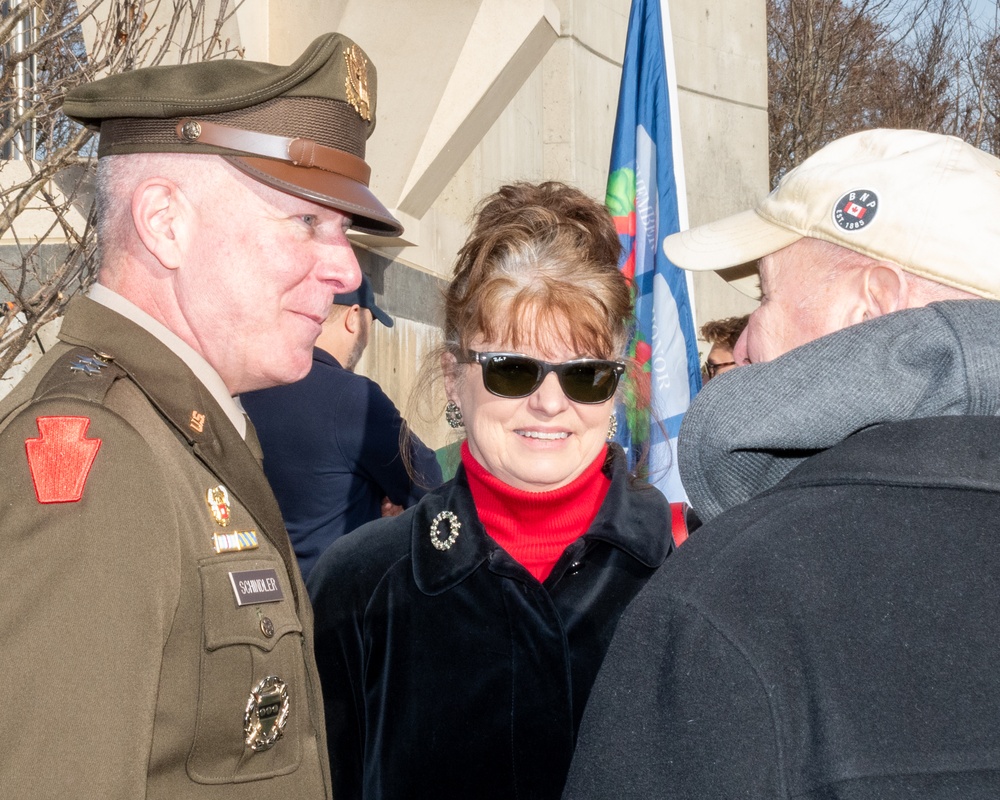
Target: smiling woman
457, 643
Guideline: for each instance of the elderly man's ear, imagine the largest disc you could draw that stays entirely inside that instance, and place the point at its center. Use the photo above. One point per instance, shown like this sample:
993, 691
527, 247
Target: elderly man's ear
883, 289
162, 214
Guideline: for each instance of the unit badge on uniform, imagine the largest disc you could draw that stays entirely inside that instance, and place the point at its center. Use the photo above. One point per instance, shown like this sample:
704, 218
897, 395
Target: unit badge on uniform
60, 459
267, 713
218, 503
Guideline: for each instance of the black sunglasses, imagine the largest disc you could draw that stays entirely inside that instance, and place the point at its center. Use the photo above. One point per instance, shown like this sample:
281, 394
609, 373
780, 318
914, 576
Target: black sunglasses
583, 380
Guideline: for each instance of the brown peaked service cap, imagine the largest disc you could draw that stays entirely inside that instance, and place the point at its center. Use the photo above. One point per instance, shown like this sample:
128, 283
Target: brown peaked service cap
300, 128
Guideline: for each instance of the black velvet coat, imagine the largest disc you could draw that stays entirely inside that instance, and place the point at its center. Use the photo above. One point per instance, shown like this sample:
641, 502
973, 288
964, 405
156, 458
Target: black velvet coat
456, 674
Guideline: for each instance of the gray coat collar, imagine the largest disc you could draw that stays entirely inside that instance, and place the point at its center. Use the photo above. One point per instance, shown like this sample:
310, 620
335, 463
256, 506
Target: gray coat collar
752, 426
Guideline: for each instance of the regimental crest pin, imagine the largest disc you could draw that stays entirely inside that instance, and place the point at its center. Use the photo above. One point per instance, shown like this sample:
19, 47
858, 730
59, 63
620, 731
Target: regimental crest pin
266, 714
218, 503
855, 210
356, 84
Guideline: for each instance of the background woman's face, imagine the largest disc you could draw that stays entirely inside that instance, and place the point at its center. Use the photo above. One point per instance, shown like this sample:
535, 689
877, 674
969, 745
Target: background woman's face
536, 443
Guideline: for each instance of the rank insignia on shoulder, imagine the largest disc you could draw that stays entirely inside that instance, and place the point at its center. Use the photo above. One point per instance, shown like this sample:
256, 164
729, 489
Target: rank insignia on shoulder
218, 503
90, 365
60, 458
266, 713
235, 541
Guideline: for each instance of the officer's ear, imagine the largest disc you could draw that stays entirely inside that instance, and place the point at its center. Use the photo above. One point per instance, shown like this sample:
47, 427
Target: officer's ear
159, 208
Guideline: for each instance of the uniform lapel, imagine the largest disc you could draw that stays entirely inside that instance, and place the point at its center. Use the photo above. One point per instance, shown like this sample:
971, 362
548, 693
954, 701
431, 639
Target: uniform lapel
189, 407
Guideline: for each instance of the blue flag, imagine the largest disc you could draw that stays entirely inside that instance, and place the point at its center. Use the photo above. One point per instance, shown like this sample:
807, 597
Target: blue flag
643, 192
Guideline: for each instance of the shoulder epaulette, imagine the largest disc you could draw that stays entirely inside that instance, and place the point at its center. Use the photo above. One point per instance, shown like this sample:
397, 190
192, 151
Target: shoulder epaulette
80, 373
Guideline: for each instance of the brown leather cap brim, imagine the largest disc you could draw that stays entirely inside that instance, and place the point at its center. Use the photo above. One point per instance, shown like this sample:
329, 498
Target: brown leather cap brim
326, 188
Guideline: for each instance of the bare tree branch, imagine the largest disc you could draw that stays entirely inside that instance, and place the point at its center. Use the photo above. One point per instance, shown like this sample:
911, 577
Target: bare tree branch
47, 241
836, 67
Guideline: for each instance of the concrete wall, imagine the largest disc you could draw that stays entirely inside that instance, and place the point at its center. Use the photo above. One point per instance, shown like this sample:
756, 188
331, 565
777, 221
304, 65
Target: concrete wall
556, 123
720, 50
475, 93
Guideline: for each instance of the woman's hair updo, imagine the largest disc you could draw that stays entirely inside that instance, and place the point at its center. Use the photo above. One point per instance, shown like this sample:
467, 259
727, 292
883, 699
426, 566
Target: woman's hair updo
542, 259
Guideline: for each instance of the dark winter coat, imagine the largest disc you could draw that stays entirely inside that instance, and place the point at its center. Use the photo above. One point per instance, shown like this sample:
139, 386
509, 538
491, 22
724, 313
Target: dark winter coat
830, 633
833, 638
454, 673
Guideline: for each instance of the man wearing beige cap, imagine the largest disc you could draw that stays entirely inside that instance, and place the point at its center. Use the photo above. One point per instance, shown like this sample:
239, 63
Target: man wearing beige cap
157, 634
830, 632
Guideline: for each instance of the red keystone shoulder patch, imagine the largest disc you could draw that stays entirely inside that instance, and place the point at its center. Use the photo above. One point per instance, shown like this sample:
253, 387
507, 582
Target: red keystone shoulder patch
60, 458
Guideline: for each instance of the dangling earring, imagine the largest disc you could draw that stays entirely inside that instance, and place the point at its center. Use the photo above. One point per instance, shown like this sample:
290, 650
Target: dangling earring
613, 427
453, 415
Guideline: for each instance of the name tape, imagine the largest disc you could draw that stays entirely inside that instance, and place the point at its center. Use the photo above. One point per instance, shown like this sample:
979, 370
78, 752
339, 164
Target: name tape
256, 586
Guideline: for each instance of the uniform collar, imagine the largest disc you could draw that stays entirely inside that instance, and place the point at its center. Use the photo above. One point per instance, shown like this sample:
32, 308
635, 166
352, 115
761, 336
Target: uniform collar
184, 401
634, 518
194, 360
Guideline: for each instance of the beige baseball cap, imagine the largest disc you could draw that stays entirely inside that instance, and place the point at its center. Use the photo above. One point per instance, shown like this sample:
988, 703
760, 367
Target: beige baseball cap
928, 203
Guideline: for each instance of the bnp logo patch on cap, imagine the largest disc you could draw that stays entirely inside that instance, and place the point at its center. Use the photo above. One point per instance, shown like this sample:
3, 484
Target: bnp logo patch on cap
855, 210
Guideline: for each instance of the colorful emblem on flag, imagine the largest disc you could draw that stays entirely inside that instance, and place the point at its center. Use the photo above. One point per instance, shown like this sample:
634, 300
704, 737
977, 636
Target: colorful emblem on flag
644, 196
60, 459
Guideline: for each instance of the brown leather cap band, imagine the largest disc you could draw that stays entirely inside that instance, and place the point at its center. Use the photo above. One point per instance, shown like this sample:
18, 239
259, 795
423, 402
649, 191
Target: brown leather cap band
300, 152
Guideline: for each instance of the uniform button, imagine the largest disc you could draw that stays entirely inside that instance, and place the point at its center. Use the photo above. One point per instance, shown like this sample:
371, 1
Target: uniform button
574, 568
267, 627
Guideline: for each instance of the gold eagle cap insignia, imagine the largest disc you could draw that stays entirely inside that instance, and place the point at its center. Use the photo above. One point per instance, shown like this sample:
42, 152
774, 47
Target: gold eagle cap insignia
357, 82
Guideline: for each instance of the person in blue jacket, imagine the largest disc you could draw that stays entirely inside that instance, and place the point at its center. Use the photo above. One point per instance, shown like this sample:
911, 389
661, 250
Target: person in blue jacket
331, 441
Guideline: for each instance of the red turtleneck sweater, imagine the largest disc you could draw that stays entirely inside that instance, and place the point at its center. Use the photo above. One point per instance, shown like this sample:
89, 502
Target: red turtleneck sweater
536, 527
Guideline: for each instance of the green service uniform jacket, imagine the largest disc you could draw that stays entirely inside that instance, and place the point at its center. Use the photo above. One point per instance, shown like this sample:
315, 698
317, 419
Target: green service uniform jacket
156, 633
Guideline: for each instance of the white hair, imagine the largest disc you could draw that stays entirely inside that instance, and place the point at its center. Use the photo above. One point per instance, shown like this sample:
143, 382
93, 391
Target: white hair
119, 176
835, 261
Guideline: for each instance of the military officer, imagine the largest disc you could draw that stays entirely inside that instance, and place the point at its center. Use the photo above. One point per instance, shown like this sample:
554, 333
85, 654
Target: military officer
157, 638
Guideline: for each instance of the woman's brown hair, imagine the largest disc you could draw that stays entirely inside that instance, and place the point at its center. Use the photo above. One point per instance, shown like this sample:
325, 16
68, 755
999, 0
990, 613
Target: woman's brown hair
541, 260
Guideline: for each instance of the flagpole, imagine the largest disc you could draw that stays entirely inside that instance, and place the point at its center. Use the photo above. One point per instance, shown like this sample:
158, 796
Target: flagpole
677, 147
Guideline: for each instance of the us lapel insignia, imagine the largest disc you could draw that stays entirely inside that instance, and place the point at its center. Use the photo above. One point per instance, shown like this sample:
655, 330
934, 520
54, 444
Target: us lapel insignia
234, 542
218, 503
197, 423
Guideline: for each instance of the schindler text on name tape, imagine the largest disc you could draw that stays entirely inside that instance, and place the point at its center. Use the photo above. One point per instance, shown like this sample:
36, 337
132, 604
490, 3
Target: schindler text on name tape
256, 586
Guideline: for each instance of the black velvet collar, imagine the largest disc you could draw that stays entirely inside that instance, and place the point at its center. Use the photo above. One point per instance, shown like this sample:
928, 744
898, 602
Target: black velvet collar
634, 517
